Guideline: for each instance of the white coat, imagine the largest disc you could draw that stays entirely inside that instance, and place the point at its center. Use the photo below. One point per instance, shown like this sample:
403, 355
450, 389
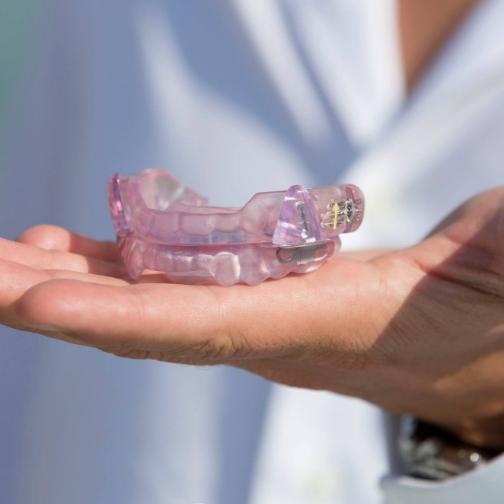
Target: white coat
234, 97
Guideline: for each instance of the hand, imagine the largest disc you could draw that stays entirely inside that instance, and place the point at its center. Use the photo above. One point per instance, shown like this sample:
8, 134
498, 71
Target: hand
418, 330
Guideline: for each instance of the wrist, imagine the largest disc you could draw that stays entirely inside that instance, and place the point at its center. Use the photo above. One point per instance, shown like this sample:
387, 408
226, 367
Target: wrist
486, 433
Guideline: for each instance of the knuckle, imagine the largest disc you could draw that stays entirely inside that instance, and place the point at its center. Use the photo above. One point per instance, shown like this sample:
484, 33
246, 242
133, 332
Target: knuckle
29, 308
220, 348
224, 340
128, 352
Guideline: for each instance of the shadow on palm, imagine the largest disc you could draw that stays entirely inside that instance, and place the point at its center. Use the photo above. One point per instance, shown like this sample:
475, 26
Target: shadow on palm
411, 330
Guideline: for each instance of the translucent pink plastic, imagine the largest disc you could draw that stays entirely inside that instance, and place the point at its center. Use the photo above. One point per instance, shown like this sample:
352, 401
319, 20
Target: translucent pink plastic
163, 225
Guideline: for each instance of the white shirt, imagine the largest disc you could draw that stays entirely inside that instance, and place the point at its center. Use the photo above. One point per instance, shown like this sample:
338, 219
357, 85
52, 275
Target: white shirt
234, 97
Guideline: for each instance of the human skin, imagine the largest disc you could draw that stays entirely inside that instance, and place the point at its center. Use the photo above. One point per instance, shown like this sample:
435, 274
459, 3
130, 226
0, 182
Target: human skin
418, 330
425, 26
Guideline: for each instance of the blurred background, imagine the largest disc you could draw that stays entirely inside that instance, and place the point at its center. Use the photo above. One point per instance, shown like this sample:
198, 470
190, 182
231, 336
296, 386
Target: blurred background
234, 97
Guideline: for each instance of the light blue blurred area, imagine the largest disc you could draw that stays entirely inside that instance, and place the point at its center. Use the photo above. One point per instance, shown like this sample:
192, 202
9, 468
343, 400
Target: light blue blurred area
90, 108
77, 425
18, 25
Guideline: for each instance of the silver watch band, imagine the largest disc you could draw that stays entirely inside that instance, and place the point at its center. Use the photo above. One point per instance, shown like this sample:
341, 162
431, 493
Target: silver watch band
429, 452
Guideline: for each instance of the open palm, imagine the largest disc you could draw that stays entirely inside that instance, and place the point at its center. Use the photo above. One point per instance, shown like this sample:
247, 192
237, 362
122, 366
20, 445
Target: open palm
418, 330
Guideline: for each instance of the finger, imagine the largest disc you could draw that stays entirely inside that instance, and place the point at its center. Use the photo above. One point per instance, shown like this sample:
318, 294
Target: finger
50, 237
140, 315
473, 217
197, 323
86, 277
18, 278
54, 259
